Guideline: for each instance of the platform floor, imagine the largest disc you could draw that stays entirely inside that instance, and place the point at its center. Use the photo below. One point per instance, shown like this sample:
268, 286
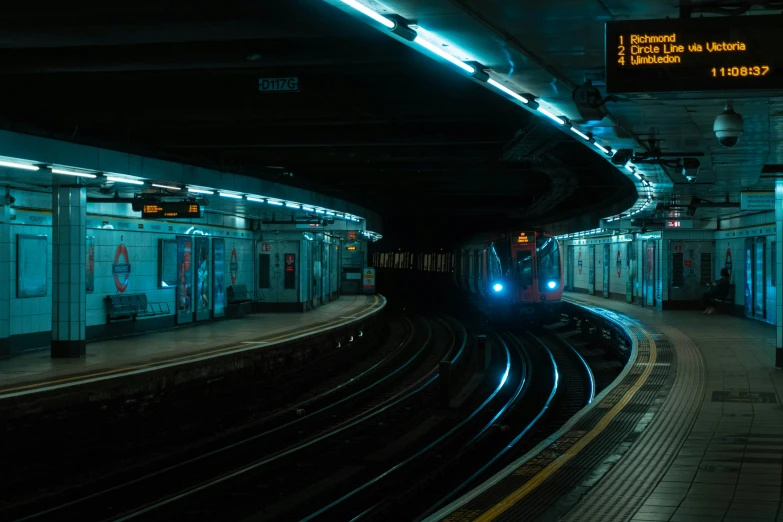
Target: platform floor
37, 371
693, 432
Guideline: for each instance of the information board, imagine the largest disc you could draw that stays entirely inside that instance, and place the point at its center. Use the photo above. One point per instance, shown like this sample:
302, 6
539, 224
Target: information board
31, 270
694, 54
170, 210
757, 200
368, 280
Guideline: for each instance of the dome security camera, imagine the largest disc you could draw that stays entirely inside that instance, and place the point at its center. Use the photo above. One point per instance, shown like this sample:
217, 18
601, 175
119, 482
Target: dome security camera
728, 127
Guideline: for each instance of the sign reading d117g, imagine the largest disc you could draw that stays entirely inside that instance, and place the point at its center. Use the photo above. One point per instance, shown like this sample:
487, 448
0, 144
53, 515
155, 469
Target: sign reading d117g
278, 84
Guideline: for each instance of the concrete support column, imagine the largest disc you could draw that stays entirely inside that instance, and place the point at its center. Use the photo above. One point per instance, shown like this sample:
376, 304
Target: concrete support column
778, 268
5, 280
69, 259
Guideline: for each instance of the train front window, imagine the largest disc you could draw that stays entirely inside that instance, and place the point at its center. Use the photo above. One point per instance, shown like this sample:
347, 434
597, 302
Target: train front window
524, 268
548, 263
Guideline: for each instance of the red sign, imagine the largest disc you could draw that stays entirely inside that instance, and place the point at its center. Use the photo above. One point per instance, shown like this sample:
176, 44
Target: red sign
678, 248
233, 266
289, 262
619, 264
579, 262
120, 270
728, 260
689, 262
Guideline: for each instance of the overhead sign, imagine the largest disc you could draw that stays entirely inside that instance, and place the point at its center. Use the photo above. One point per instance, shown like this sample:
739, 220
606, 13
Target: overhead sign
694, 54
757, 200
278, 84
679, 224
368, 280
523, 238
170, 210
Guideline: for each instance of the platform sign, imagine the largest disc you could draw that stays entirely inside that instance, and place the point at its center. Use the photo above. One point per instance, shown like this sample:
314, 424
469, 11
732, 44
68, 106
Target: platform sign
278, 84
694, 54
368, 280
171, 210
679, 223
757, 200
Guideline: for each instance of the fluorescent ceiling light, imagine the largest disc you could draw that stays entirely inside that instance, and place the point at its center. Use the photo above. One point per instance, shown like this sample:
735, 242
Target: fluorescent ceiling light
308, 209
329, 213
550, 115
199, 191
125, 180
292, 205
232, 196
320, 211
257, 200
602, 148
443, 54
580, 133
17, 165
369, 12
165, 186
73, 173
508, 91
629, 166
273, 202
637, 175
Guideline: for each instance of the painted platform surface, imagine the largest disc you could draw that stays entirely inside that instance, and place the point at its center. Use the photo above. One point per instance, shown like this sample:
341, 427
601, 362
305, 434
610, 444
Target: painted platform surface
693, 431
37, 371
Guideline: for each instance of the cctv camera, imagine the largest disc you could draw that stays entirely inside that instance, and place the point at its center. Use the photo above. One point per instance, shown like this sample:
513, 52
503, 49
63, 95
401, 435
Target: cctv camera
728, 127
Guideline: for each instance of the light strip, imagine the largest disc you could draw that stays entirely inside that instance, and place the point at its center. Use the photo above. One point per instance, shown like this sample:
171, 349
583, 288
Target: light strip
199, 191
320, 211
292, 205
629, 166
637, 176
443, 54
508, 91
227, 195
17, 165
602, 148
328, 213
369, 12
73, 173
125, 180
257, 200
163, 186
273, 202
580, 133
308, 209
550, 115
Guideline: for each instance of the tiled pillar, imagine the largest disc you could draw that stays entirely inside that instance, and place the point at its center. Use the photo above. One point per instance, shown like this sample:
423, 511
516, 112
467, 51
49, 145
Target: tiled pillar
69, 258
5, 280
779, 273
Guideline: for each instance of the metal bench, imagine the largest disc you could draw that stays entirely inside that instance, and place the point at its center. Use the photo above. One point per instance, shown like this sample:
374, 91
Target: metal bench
726, 303
131, 306
238, 294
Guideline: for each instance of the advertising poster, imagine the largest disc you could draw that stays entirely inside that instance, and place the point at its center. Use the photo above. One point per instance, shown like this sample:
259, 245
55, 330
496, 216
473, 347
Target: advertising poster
90, 274
184, 279
203, 295
167, 267
31, 266
219, 276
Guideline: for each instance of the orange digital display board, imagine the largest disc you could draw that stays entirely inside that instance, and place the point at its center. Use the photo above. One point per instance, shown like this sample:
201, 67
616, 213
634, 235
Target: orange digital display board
174, 210
523, 238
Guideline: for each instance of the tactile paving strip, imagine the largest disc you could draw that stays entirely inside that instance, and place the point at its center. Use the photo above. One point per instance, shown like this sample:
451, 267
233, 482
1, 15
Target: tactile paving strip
637, 440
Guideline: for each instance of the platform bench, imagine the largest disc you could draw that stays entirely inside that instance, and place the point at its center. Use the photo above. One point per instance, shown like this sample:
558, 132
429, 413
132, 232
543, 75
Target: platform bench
726, 303
238, 294
131, 306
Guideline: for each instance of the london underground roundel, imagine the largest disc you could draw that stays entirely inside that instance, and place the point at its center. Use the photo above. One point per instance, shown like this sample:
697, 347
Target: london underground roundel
121, 268
233, 266
579, 262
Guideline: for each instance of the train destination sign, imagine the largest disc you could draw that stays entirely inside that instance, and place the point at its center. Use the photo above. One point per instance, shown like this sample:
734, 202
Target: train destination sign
173, 210
694, 54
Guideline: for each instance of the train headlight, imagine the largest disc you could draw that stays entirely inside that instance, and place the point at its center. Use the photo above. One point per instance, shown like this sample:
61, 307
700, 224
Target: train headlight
552, 285
498, 287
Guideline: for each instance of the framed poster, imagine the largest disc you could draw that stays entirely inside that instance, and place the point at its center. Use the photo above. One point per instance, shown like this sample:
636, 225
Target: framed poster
167, 263
31, 257
219, 276
89, 280
203, 295
184, 279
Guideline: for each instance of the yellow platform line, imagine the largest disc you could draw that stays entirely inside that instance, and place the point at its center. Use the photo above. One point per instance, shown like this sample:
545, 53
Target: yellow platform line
175, 359
505, 504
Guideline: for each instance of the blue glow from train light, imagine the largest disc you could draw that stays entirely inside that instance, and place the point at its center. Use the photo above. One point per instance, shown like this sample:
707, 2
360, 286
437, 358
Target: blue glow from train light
552, 285
498, 287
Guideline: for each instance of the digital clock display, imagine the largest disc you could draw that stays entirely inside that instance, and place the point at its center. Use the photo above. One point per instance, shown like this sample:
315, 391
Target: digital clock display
171, 210
694, 54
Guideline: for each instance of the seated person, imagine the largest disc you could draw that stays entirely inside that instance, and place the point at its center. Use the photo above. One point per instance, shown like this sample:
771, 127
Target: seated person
718, 289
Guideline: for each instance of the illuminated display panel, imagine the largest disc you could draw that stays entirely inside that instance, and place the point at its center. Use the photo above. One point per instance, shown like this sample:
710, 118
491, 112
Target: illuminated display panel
694, 54
523, 238
170, 210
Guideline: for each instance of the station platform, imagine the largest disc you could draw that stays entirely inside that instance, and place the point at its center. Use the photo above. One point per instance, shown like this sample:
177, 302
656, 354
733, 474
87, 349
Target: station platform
36, 372
692, 430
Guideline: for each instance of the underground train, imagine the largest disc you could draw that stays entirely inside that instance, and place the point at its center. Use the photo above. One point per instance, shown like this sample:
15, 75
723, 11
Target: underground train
515, 276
